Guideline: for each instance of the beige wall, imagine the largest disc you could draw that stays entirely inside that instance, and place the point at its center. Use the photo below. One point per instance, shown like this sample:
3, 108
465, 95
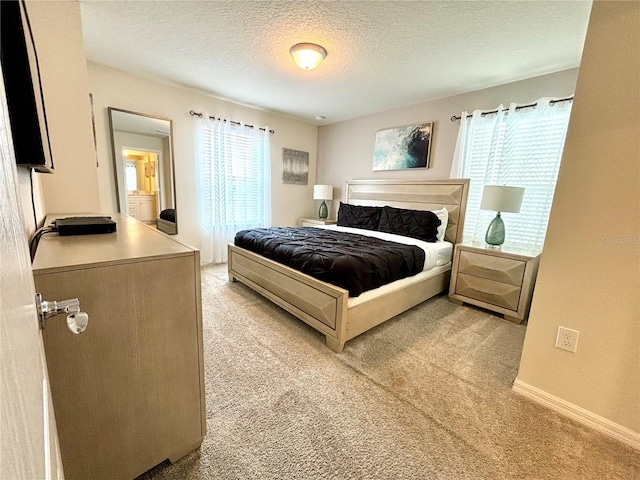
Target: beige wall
589, 278
30, 216
345, 150
114, 88
57, 31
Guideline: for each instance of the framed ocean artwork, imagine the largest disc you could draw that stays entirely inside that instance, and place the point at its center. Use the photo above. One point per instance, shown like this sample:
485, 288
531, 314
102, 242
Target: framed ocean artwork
403, 147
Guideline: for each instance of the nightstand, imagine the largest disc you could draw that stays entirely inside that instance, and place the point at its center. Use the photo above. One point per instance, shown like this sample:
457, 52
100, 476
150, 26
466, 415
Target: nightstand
310, 222
500, 280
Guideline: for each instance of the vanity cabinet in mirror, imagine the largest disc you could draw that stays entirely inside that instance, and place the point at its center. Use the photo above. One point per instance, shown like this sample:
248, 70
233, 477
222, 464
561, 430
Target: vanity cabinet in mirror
143, 166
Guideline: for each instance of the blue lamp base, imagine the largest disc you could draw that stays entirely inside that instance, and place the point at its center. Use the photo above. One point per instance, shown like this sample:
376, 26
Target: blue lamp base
324, 211
495, 233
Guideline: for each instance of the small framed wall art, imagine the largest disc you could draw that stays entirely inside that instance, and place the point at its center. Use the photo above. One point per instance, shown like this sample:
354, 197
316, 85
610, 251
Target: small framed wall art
295, 167
403, 147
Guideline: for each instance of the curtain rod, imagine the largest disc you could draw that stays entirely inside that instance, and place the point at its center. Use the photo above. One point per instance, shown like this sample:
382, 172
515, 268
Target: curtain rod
193, 113
531, 105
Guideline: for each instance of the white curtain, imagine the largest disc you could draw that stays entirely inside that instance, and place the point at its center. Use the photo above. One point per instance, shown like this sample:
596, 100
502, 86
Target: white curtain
458, 154
517, 147
234, 183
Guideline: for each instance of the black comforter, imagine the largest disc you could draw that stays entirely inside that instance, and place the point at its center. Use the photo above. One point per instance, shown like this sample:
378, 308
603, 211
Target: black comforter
354, 262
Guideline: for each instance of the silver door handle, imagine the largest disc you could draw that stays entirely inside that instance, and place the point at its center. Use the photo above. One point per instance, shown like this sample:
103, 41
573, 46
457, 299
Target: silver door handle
76, 320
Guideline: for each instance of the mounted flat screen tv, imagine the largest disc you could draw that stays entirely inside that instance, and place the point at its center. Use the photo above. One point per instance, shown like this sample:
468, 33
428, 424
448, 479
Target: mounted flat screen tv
21, 76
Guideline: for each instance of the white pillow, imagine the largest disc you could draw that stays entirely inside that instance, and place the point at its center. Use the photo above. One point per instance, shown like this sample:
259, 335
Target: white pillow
443, 215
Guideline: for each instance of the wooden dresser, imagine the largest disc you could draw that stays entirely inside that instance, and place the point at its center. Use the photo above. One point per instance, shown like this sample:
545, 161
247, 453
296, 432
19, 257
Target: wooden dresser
128, 393
501, 280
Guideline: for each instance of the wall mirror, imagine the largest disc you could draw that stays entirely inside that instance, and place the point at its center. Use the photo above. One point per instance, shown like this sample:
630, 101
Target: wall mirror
143, 165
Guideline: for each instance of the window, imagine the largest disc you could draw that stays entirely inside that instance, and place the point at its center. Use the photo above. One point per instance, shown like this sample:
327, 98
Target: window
517, 147
131, 176
234, 169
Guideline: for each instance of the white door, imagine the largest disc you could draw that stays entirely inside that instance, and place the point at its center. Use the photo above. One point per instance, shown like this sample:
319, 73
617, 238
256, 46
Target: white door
28, 438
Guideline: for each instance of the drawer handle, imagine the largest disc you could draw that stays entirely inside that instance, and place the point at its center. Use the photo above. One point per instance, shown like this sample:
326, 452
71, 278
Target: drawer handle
487, 292
488, 268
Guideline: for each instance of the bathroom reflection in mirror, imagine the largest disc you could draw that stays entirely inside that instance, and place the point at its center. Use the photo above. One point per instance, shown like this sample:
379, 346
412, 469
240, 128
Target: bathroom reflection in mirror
143, 165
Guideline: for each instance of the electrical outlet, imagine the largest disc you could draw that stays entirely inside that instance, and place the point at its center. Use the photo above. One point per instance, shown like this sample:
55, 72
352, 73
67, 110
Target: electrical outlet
567, 339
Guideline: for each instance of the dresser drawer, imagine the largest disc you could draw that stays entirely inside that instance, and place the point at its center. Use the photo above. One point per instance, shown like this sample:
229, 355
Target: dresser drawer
495, 293
505, 270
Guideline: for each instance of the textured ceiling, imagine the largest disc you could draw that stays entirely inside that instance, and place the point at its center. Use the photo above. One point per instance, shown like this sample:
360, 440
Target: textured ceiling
381, 55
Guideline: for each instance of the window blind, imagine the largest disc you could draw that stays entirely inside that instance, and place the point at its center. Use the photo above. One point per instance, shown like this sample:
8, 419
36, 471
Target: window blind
517, 148
234, 185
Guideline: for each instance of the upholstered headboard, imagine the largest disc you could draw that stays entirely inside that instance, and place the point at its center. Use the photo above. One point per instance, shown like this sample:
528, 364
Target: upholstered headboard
416, 195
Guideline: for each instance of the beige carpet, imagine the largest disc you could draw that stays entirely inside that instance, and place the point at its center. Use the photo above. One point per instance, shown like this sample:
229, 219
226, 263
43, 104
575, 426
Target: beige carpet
425, 395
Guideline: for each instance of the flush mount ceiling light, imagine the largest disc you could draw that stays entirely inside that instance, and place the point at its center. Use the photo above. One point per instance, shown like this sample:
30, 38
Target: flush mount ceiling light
307, 55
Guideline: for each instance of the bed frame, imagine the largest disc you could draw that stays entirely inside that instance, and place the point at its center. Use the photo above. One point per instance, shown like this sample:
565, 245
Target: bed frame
325, 306
166, 226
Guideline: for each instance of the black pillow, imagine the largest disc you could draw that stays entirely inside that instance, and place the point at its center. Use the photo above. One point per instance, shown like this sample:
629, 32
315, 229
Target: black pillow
169, 215
420, 224
358, 216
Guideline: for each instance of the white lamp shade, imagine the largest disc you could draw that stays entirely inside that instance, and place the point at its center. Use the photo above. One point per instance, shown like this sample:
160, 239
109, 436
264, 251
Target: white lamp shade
501, 198
307, 55
323, 192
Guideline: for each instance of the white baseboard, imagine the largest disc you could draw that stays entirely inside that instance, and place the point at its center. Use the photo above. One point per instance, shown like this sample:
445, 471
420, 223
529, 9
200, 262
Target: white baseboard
579, 414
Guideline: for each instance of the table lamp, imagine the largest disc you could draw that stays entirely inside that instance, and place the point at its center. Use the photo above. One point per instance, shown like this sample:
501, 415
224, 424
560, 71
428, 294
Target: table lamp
323, 192
500, 198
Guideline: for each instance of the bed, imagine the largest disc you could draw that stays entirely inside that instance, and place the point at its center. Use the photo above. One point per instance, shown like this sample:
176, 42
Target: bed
166, 222
328, 308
